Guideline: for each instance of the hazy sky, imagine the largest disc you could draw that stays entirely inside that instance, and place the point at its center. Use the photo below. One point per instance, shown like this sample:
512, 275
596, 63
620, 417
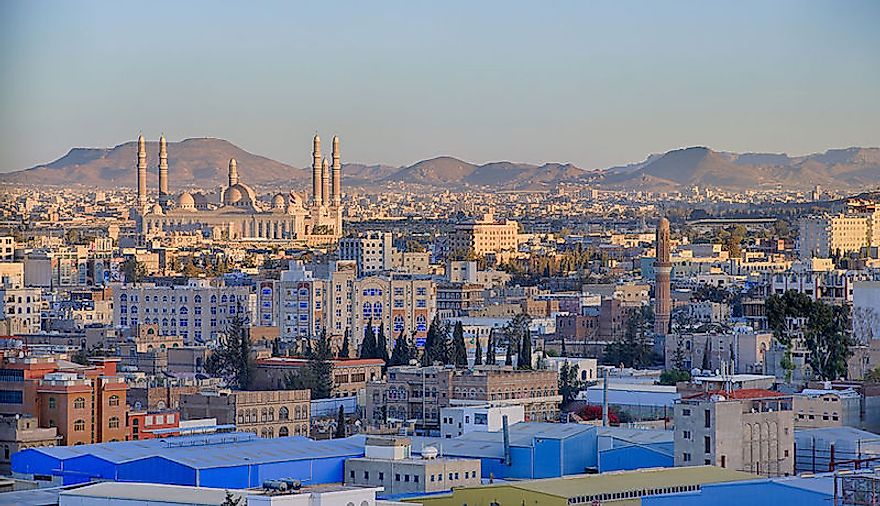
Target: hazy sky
593, 83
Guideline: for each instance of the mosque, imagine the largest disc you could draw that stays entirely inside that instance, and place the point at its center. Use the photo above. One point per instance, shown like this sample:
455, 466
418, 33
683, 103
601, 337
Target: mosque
238, 214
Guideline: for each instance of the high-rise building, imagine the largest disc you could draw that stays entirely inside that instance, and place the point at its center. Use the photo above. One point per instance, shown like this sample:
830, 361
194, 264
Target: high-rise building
484, 236
662, 269
371, 251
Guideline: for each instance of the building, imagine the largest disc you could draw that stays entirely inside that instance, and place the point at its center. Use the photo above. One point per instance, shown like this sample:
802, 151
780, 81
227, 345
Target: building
662, 270
410, 392
350, 376
743, 349
267, 413
642, 401
749, 430
621, 488
866, 311
804, 490
817, 408
827, 234
86, 404
459, 420
388, 463
198, 311
371, 251
7, 248
19, 432
239, 215
537, 391
225, 460
484, 236
24, 305
150, 424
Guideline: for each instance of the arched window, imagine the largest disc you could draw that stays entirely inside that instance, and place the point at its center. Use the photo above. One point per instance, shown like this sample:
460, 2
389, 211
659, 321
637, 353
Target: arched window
183, 310
421, 323
114, 400
264, 415
398, 324
134, 310
197, 299
79, 403
79, 425
297, 412
223, 298
123, 298
283, 414
241, 418
283, 432
213, 299
377, 309
271, 414
368, 310
113, 423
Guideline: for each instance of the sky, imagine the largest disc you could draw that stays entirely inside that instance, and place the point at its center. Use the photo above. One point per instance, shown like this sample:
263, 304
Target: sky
594, 83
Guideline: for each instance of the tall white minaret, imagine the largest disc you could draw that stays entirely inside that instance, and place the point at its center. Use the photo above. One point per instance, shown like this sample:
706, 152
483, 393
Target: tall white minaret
142, 173
233, 172
316, 170
163, 170
325, 182
337, 173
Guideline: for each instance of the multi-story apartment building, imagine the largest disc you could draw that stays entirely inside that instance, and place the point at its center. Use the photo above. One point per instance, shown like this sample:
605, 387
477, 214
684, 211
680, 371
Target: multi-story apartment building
266, 413
197, 311
398, 302
749, 430
23, 304
11, 274
85, 403
743, 349
7, 248
410, 392
456, 299
350, 376
818, 408
371, 251
537, 391
483, 236
827, 234
142, 425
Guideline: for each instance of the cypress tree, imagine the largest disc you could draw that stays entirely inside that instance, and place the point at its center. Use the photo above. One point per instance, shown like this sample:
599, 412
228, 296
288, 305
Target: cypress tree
321, 368
508, 357
459, 352
490, 350
562, 351
525, 352
478, 353
382, 344
368, 346
343, 351
401, 354
340, 423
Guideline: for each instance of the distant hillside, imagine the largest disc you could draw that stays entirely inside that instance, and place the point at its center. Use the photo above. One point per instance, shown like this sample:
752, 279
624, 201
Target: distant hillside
199, 162
203, 163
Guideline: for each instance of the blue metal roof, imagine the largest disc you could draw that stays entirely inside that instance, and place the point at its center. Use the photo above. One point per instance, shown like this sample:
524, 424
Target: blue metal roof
213, 450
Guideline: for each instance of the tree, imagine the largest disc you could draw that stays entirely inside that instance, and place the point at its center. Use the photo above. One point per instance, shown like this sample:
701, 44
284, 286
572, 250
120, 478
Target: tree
478, 352
369, 345
343, 351
490, 350
562, 351
231, 500
321, 368
382, 345
524, 361
459, 352
673, 376
133, 271
515, 332
340, 423
508, 356
232, 359
402, 352
633, 350
570, 383
436, 346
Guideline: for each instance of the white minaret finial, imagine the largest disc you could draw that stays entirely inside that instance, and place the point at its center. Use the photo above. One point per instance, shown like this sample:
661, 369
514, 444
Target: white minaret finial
325, 182
163, 170
316, 170
233, 172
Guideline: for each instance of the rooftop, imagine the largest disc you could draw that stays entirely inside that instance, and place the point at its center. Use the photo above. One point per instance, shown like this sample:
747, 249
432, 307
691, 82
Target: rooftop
740, 394
151, 492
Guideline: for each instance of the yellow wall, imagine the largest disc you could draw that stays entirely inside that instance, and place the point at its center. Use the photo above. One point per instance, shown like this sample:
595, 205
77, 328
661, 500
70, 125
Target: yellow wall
503, 495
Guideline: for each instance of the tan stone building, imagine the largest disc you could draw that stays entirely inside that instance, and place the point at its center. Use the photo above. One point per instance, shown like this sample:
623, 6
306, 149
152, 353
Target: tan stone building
267, 413
18, 432
819, 408
410, 392
749, 430
536, 391
745, 350
484, 236
350, 376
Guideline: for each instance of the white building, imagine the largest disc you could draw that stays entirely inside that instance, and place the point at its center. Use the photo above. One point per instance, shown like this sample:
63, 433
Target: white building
371, 251
458, 420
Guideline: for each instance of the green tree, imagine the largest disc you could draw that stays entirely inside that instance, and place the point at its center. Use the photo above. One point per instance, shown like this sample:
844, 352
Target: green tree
634, 349
231, 500
562, 351
232, 360
478, 352
321, 368
828, 338
459, 352
508, 354
382, 345
436, 343
133, 271
570, 383
673, 376
490, 350
524, 361
340, 423
343, 351
402, 352
369, 346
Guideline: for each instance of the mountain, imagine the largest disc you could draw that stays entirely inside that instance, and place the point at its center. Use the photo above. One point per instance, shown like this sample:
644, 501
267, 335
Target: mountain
201, 162
851, 168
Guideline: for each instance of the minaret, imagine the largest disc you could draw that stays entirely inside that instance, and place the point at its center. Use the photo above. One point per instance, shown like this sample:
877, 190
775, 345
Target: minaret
325, 183
316, 170
142, 173
163, 170
662, 270
337, 173
233, 172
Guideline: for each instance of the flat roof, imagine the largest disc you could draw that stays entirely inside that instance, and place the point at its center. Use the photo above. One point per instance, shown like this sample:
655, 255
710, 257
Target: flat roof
199, 496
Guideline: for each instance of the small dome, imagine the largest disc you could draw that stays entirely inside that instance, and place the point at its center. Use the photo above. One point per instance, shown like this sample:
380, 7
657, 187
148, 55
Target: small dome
233, 196
156, 209
278, 200
186, 200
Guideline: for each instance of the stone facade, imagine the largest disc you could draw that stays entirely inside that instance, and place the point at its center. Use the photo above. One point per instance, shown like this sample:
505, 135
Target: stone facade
267, 413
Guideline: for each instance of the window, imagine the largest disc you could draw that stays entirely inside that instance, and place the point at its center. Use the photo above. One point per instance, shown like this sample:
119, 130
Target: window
707, 444
114, 400
707, 416
366, 475
283, 413
79, 425
686, 457
79, 403
381, 476
686, 412
113, 423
